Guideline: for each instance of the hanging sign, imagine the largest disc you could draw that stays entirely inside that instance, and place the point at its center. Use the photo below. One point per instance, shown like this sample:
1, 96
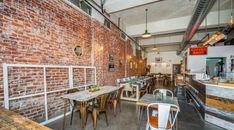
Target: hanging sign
198, 51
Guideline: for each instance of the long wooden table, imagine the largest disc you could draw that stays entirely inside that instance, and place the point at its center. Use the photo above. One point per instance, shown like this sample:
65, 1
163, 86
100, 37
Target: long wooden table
10, 120
84, 97
147, 99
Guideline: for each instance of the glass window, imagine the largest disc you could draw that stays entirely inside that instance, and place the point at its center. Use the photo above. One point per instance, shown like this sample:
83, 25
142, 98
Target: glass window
142, 54
133, 48
123, 36
82, 5
107, 23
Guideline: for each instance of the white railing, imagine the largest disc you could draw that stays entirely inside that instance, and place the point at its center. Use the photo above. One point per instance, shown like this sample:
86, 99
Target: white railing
7, 97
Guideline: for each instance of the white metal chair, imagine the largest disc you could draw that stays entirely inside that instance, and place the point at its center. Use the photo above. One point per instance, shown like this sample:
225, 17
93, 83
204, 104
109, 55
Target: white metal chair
162, 121
164, 92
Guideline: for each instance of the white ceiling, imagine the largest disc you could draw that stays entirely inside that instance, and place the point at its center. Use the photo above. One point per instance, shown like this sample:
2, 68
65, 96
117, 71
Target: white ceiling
131, 12
163, 16
158, 11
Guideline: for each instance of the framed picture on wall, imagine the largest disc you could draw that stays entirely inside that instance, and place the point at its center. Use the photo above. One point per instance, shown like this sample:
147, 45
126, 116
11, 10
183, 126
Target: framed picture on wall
111, 57
158, 59
111, 67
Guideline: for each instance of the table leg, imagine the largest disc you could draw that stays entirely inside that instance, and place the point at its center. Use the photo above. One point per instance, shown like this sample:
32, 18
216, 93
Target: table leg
64, 113
94, 119
83, 113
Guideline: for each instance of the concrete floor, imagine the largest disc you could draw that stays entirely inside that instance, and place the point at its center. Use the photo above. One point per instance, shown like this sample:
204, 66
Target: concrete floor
188, 119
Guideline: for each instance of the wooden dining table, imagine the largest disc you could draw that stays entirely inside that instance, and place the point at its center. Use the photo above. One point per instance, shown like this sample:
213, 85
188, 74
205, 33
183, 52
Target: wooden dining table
147, 99
84, 97
10, 120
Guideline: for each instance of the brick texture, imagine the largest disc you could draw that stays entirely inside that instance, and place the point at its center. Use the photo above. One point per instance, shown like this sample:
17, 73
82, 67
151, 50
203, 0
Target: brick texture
46, 32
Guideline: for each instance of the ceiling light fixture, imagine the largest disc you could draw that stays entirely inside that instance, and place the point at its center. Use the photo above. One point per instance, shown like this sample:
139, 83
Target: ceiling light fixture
146, 34
231, 21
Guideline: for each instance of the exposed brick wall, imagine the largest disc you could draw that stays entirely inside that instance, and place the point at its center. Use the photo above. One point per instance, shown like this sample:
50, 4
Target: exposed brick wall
78, 77
56, 78
25, 81
46, 32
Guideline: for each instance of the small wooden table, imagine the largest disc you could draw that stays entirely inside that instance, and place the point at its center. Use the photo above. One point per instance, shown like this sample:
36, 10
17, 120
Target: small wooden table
150, 98
84, 97
10, 120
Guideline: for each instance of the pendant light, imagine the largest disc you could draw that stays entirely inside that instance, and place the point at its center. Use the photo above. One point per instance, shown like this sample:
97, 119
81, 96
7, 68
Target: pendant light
146, 34
231, 22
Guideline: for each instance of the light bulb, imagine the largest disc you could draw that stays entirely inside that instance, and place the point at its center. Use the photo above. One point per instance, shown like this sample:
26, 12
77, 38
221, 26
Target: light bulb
231, 22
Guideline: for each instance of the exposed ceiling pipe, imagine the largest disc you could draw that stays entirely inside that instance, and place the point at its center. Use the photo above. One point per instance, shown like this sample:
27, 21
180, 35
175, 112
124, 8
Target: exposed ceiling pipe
200, 11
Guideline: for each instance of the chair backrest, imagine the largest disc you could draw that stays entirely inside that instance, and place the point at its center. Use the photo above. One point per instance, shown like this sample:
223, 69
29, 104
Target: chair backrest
118, 95
164, 111
103, 102
73, 90
163, 91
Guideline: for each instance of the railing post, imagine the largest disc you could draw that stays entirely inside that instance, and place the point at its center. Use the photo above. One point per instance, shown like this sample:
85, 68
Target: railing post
5, 84
70, 74
45, 93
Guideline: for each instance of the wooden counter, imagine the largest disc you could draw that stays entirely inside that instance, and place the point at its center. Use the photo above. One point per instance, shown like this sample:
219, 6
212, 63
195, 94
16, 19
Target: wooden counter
215, 102
10, 120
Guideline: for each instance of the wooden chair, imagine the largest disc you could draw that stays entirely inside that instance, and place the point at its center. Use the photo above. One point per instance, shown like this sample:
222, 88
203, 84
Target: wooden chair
115, 100
72, 102
100, 107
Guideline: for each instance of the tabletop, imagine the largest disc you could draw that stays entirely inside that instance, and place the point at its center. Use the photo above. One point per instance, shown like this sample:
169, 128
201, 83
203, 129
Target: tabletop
83, 96
10, 120
136, 81
150, 98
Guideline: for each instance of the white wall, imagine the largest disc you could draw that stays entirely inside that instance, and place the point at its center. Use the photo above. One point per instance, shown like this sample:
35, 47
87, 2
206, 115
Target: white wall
197, 64
168, 59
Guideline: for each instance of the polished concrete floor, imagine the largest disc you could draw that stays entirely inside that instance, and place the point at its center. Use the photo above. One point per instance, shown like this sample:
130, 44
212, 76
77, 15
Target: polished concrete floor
188, 119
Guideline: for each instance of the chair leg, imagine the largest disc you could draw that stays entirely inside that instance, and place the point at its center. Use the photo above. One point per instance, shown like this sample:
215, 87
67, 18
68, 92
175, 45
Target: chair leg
106, 119
72, 115
95, 114
115, 105
119, 102
147, 126
79, 114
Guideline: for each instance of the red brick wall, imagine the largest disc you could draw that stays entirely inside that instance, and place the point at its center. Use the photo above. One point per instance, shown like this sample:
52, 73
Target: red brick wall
46, 32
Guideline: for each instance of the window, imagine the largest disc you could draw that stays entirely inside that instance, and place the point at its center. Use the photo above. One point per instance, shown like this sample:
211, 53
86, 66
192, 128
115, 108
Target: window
123, 36
106, 23
82, 5
133, 48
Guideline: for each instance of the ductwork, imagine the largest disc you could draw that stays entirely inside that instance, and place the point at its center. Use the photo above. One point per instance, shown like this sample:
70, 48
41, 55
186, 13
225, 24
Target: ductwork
201, 10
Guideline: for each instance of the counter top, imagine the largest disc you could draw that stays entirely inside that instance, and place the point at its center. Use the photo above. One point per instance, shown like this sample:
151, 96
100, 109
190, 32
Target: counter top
224, 85
10, 120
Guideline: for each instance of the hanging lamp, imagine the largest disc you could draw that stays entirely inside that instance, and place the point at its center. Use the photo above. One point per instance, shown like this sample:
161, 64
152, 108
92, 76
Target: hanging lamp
146, 34
231, 21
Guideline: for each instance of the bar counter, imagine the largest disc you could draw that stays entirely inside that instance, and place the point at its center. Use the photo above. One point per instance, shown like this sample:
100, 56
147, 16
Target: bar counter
215, 102
10, 120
